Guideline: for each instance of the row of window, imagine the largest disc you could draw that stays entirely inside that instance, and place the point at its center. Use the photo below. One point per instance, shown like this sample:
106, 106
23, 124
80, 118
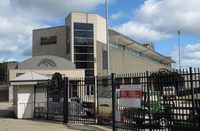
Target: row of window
73, 89
83, 49
84, 65
83, 26
84, 57
83, 41
87, 34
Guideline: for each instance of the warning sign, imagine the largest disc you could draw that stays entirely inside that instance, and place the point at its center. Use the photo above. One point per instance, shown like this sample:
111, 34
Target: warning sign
130, 96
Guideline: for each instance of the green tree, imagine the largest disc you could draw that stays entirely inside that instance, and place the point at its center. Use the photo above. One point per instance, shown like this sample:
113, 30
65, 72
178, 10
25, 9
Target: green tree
3, 67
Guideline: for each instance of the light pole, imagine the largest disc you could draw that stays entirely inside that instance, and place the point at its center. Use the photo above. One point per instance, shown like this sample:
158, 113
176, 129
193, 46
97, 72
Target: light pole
107, 39
179, 49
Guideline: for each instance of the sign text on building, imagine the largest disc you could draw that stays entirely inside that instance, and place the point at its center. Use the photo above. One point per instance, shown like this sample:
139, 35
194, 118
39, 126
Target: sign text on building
48, 40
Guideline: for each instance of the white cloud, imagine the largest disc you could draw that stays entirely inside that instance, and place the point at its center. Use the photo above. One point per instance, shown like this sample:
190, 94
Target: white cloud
19, 17
190, 55
117, 15
3, 59
164, 17
144, 32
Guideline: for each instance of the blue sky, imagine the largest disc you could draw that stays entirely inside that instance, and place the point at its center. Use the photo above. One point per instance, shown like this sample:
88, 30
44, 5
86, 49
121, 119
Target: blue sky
146, 21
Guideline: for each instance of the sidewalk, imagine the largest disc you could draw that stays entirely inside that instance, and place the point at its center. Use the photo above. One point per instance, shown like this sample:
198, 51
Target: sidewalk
8, 124
11, 124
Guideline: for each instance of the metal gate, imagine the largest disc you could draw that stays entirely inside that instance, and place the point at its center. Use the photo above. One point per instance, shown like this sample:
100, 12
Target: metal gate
81, 97
49, 99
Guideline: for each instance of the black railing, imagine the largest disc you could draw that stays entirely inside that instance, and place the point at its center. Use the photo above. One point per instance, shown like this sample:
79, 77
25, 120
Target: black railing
163, 100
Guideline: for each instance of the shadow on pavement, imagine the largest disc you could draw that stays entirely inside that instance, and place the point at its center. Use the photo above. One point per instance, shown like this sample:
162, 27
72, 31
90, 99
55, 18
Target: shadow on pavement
85, 127
6, 110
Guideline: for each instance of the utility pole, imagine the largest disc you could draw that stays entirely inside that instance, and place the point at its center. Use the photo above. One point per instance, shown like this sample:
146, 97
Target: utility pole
179, 49
107, 39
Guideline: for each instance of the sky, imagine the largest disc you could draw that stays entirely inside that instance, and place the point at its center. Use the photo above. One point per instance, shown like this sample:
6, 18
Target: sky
145, 21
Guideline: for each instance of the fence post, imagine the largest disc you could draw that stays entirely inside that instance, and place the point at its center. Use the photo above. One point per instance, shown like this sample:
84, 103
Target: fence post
149, 104
65, 103
192, 89
113, 100
48, 86
34, 99
96, 98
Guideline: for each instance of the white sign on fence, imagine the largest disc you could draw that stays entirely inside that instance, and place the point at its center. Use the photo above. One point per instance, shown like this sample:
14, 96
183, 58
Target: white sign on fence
130, 96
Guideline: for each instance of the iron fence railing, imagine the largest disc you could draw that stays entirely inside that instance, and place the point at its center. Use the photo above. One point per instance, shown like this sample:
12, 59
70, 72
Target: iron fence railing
163, 100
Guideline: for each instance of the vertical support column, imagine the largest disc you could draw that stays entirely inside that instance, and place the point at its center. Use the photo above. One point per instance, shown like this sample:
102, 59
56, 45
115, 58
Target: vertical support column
34, 101
48, 86
192, 91
149, 104
113, 100
96, 98
65, 103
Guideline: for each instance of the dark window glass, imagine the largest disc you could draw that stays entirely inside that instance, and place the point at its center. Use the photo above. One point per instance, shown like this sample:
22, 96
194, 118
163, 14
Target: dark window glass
83, 49
105, 66
84, 57
84, 65
89, 80
92, 90
89, 72
83, 26
73, 90
88, 34
83, 41
88, 90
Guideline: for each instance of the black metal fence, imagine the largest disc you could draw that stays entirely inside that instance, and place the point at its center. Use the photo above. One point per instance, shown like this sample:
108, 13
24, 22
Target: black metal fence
163, 100
81, 98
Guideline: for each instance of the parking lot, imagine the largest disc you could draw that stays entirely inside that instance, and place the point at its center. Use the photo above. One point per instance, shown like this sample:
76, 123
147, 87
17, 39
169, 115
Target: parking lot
8, 123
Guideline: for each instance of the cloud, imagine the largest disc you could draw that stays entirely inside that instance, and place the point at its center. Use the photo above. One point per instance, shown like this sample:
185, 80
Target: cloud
144, 32
47, 10
3, 59
164, 17
117, 15
19, 17
190, 55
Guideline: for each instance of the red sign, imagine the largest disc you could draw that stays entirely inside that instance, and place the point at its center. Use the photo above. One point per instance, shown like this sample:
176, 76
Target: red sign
130, 94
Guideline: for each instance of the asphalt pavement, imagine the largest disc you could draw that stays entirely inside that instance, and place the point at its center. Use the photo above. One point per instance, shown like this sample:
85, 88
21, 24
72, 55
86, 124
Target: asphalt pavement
9, 123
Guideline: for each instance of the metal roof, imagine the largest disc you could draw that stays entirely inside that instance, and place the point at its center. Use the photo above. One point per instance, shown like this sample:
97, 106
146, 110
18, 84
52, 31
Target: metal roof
29, 78
119, 39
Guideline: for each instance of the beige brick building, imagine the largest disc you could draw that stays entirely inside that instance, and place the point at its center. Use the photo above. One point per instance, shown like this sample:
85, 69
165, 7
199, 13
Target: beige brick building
82, 40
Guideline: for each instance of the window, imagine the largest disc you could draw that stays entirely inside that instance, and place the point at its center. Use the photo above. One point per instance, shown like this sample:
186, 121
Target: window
87, 34
89, 72
83, 26
105, 59
84, 65
82, 49
84, 57
83, 41
90, 90
73, 89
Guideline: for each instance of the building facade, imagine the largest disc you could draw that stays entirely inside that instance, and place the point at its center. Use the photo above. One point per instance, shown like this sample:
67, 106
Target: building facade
82, 40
